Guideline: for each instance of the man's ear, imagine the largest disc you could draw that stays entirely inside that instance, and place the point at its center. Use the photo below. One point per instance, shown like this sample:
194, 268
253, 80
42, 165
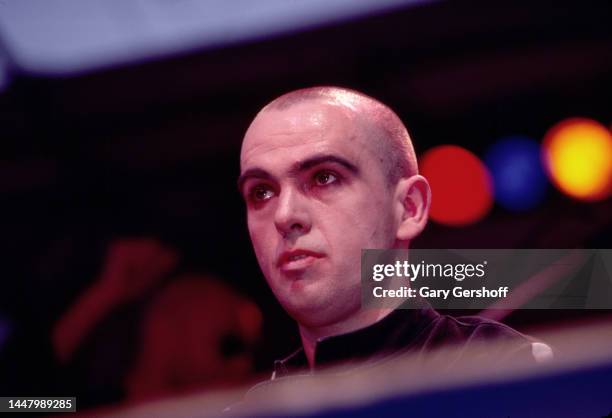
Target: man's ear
413, 200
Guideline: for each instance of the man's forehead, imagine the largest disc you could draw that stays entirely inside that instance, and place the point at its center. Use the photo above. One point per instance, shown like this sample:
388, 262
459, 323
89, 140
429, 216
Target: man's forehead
303, 128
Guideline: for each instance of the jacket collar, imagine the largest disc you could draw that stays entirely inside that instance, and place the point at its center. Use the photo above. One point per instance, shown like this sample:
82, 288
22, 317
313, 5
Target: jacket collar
397, 331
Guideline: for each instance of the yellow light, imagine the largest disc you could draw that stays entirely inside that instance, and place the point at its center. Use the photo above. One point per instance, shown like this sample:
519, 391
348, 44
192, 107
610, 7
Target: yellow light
578, 158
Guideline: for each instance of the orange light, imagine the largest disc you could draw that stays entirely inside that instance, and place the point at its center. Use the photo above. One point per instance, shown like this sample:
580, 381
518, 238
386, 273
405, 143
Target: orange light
577, 154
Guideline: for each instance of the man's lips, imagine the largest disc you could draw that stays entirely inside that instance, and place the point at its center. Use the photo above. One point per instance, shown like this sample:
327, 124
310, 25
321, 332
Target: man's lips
297, 259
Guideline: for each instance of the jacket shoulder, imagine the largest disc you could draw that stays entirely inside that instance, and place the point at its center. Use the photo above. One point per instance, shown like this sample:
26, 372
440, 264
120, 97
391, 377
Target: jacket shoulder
495, 339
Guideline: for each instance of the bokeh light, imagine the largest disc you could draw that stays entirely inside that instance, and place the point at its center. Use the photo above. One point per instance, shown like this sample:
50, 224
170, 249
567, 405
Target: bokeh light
518, 175
460, 184
578, 157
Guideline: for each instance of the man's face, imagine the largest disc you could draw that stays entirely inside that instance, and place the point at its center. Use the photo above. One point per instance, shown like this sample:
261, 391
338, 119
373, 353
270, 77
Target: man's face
316, 195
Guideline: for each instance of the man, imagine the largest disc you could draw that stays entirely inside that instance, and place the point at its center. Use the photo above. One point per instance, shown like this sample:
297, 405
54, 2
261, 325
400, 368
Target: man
325, 173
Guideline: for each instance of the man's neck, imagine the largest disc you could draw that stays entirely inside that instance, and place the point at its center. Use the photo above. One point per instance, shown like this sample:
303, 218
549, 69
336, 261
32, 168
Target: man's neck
310, 335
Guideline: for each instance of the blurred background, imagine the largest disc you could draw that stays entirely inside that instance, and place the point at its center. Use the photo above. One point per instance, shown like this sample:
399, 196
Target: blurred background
120, 130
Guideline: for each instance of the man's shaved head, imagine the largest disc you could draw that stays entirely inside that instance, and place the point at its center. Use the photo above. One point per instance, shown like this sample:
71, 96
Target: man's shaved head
386, 132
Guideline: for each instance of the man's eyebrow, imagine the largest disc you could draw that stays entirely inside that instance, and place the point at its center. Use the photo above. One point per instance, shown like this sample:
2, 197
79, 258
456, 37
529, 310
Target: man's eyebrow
325, 158
301, 166
250, 173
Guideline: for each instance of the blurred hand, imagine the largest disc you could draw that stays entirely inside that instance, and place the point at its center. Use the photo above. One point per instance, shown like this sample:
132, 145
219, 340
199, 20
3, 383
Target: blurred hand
134, 266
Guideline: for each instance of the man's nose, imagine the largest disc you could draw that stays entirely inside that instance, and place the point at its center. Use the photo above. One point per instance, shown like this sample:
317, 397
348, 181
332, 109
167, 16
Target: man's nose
292, 216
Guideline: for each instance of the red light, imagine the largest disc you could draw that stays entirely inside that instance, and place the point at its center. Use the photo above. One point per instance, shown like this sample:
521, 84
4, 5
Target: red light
460, 184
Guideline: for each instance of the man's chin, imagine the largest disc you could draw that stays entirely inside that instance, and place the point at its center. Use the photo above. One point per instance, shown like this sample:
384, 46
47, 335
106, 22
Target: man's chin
303, 300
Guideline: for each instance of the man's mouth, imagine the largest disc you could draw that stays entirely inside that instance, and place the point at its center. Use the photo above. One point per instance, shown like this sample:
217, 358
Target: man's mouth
297, 259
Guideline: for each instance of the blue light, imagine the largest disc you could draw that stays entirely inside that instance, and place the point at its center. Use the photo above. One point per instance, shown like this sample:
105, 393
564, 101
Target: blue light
518, 176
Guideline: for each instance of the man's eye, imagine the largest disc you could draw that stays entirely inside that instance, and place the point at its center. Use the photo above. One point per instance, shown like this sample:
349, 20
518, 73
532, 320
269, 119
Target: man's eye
261, 193
323, 178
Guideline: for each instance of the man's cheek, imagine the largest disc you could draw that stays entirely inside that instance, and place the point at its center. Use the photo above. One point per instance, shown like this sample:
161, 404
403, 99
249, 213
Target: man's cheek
262, 251
257, 232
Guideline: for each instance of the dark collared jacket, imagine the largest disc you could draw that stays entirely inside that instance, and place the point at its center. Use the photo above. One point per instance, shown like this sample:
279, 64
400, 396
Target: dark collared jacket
416, 331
